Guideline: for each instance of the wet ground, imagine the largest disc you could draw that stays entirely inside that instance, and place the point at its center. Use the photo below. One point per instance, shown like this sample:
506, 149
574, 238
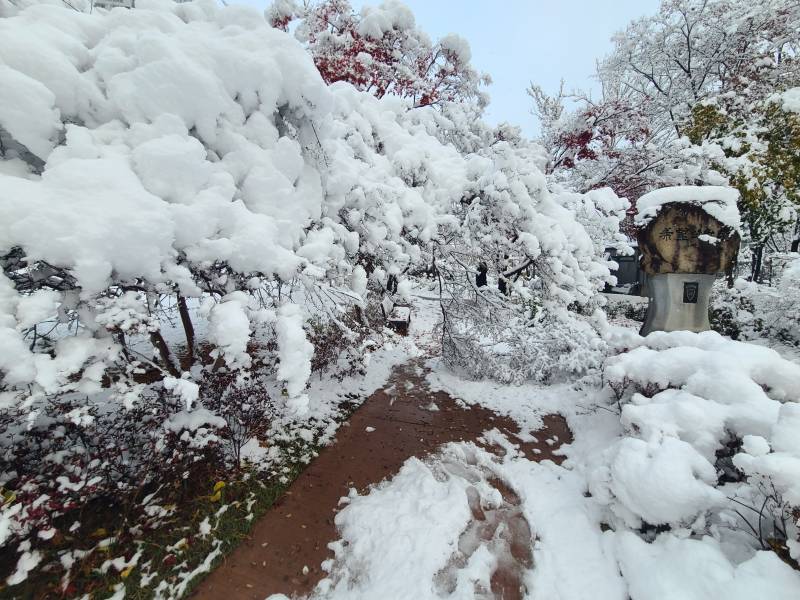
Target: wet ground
286, 547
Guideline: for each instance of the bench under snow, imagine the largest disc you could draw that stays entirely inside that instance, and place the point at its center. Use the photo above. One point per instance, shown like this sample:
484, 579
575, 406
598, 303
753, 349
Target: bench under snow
398, 316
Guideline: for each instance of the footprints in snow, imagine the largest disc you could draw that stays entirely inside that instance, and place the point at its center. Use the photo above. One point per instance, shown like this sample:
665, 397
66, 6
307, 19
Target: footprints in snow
497, 539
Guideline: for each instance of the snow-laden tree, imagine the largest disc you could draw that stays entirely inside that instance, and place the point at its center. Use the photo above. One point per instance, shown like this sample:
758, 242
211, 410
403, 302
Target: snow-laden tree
601, 143
756, 143
191, 215
682, 90
541, 252
382, 51
694, 49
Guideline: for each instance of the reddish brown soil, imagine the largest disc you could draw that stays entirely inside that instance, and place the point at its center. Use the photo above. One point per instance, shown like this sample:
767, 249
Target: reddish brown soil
294, 534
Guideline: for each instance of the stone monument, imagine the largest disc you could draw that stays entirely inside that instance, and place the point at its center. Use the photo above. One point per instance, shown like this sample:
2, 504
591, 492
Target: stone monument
688, 236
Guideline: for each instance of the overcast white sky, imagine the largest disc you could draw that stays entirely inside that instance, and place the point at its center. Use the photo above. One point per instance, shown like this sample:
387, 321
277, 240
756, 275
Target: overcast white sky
518, 41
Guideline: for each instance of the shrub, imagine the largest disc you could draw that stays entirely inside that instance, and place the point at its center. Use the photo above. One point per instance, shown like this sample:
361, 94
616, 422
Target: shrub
708, 440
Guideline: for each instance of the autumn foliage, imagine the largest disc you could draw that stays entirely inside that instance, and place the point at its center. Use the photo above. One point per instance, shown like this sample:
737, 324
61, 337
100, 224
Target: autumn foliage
380, 50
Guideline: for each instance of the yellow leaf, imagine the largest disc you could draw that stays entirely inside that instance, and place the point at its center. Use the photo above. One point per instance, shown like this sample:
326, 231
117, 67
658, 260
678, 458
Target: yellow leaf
99, 532
124, 574
216, 497
219, 485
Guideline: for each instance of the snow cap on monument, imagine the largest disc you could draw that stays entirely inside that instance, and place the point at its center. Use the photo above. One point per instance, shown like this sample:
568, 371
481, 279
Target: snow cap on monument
688, 229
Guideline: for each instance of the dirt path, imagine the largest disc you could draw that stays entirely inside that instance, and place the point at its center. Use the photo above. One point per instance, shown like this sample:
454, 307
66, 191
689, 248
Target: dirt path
294, 534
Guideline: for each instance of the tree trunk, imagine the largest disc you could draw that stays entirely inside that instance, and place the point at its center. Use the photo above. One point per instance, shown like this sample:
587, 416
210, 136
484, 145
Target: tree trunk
755, 269
502, 285
121, 341
188, 328
163, 350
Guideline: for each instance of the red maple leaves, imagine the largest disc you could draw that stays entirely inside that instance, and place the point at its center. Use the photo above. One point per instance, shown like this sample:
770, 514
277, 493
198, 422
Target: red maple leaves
381, 51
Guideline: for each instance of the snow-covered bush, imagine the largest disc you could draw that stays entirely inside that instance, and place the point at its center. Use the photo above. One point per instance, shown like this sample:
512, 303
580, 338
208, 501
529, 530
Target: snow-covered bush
750, 310
176, 165
244, 405
66, 452
629, 307
338, 351
732, 310
706, 449
536, 248
487, 337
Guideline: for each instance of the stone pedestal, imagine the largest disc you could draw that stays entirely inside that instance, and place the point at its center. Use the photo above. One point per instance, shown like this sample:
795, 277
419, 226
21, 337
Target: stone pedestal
683, 250
678, 302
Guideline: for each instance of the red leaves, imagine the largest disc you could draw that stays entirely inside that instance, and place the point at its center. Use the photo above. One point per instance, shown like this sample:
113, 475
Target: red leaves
281, 22
401, 61
170, 560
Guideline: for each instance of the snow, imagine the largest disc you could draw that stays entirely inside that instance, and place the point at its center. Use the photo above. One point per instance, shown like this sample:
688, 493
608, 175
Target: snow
125, 83
193, 420
718, 201
566, 526
789, 100
526, 404
400, 313
404, 290
408, 534
358, 281
389, 15
709, 239
254, 452
782, 465
178, 586
37, 307
27, 562
187, 390
665, 482
458, 46
295, 353
280, 10
698, 570
56, 205
38, 125
229, 329
422, 502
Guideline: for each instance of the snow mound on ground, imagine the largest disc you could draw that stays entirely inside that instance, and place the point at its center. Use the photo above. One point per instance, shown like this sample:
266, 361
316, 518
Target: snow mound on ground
399, 540
665, 481
717, 201
692, 569
709, 428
